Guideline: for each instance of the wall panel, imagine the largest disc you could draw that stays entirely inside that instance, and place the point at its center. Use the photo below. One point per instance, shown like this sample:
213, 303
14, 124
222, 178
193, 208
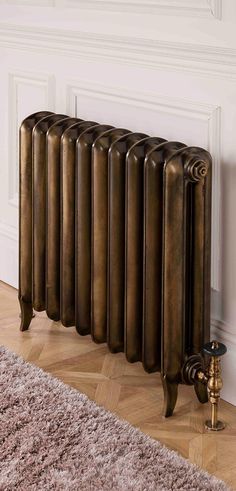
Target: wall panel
201, 8
28, 93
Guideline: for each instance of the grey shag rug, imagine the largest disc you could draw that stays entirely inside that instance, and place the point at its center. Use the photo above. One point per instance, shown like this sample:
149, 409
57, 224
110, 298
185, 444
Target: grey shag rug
55, 438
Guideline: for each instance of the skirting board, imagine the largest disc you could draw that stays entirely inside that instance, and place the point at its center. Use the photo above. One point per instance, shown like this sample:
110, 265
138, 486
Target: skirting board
224, 333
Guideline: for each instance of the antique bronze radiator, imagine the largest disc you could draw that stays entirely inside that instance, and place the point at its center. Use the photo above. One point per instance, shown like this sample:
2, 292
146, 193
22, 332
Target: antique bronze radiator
115, 238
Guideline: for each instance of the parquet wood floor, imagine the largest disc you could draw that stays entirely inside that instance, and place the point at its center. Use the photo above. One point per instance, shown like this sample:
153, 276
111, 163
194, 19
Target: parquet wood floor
121, 387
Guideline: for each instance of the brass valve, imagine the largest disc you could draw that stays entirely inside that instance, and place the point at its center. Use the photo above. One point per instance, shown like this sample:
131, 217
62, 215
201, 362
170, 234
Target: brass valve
207, 381
214, 384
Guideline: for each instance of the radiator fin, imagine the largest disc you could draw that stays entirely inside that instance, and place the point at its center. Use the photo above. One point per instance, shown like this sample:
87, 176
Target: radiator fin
116, 238
67, 292
153, 252
83, 227
39, 209
100, 232
134, 247
53, 166
26, 206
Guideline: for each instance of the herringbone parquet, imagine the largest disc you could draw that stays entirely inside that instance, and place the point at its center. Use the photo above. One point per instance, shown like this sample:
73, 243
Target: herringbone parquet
121, 387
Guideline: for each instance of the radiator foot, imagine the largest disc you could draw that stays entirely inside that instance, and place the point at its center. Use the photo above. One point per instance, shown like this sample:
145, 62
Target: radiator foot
170, 396
26, 314
83, 331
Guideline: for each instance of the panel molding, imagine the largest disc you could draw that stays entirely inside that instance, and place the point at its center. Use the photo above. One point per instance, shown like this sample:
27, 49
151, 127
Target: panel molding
216, 8
36, 3
174, 106
214, 141
9, 254
223, 331
201, 8
8, 231
15, 79
193, 58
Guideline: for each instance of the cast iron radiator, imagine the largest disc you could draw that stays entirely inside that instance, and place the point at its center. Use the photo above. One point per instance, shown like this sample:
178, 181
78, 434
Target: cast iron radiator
115, 232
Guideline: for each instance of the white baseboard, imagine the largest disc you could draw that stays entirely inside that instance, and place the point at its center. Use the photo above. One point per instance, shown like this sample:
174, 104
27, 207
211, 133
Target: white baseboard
225, 333
9, 254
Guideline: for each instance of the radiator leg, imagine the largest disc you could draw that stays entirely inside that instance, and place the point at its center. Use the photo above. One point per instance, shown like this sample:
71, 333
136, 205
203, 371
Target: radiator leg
26, 314
170, 396
201, 392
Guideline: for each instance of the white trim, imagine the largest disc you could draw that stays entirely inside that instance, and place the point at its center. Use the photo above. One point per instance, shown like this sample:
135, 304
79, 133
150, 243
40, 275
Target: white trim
214, 139
14, 200
223, 331
148, 100
46, 82
35, 3
216, 8
201, 8
9, 254
8, 231
201, 59
174, 106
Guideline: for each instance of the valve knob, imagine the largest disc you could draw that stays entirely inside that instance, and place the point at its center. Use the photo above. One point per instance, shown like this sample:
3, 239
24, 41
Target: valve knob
214, 349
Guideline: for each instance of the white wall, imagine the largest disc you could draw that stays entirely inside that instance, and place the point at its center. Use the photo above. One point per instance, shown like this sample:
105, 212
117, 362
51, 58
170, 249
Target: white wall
165, 67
